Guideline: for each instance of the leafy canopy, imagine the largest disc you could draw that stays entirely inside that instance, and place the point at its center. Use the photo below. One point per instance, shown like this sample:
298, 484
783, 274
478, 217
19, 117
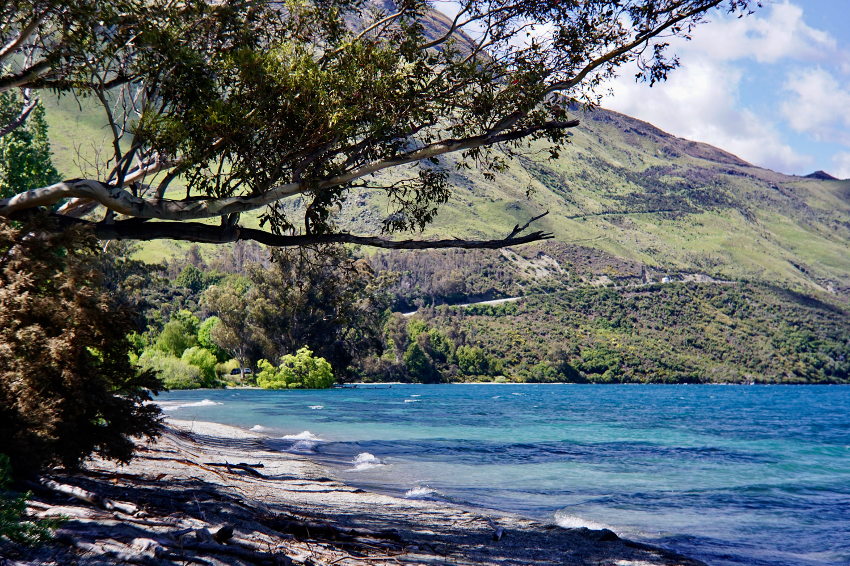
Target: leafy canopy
248, 103
301, 371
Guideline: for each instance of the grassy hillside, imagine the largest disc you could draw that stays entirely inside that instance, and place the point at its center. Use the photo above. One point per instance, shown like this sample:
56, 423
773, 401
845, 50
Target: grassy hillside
623, 187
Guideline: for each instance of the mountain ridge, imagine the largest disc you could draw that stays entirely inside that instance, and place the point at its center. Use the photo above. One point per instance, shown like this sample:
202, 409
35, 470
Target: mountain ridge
623, 187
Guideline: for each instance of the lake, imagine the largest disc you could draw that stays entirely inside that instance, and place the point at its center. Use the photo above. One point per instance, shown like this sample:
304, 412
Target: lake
727, 474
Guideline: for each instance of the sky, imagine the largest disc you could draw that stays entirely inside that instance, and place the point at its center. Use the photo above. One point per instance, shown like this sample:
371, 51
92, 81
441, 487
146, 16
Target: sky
773, 87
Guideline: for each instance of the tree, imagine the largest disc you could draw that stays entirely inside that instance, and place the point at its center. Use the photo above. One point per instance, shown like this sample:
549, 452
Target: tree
303, 370
250, 103
317, 297
205, 338
25, 159
234, 333
67, 386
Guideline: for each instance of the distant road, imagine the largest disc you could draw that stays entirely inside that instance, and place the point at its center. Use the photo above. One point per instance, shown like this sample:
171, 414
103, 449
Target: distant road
493, 302
632, 286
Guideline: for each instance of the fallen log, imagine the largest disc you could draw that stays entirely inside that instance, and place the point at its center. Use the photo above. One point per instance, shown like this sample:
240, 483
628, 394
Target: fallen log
87, 496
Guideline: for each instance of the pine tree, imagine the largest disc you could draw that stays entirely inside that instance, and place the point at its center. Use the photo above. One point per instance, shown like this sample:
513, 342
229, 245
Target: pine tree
25, 156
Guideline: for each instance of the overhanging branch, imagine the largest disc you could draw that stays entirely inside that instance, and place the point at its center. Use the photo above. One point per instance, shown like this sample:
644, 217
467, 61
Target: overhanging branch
208, 234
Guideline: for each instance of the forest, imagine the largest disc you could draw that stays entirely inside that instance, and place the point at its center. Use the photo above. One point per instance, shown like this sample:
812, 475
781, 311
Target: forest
572, 323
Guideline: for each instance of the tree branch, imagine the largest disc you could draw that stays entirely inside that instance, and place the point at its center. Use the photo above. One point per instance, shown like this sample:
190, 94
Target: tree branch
123, 202
10, 48
640, 38
209, 234
26, 76
22, 117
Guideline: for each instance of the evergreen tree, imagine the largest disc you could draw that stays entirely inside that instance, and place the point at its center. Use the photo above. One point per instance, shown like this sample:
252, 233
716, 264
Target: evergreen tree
25, 156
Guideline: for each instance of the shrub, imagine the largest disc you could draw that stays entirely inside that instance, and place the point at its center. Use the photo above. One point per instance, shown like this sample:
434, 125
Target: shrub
205, 339
205, 361
225, 368
175, 339
13, 509
192, 278
299, 371
174, 372
419, 365
472, 361
67, 386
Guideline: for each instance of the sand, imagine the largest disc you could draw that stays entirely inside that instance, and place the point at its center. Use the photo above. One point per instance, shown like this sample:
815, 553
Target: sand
172, 497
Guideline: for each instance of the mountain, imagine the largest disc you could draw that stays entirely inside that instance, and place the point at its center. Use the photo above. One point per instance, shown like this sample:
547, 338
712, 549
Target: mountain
622, 187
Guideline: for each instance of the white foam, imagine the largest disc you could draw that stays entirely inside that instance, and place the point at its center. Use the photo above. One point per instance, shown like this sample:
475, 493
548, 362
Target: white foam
568, 521
418, 492
365, 461
257, 428
411, 400
518, 394
172, 407
416, 395
304, 446
306, 435
317, 407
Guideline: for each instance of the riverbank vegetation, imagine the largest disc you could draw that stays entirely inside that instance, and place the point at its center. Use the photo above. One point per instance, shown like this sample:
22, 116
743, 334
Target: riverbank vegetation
572, 323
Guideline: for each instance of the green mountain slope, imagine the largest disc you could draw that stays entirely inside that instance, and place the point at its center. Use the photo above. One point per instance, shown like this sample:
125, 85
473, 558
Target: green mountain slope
623, 187
626, 188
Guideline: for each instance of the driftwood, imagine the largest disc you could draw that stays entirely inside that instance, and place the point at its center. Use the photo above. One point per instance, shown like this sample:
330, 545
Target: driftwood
88, 496
498, 532
241, 466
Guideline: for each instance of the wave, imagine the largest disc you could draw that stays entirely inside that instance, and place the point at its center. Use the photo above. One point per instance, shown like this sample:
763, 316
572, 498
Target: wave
257, 428
416, 395
316, 407
205, 403
568, 521
518, 394
304, 446
305, 441
306, 435
419, 492
365, 461
411, 400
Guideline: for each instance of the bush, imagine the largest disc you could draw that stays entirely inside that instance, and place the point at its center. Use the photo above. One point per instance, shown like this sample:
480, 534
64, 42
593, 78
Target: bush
205, 339
419, 366
175, 339
67, 386
205, 361
13, 508
299, 371
174, 372
222, 370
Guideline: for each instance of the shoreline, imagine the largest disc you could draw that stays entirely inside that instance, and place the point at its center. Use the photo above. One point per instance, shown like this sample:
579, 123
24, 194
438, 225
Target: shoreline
285, 508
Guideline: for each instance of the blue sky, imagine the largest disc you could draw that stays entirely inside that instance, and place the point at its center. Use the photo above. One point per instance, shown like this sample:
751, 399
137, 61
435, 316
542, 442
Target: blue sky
772, 88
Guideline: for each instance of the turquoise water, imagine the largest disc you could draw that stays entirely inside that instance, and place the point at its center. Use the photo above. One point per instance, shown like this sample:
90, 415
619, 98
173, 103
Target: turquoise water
726, 474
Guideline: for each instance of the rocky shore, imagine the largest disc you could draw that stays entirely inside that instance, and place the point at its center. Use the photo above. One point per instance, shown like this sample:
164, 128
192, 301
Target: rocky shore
211, 494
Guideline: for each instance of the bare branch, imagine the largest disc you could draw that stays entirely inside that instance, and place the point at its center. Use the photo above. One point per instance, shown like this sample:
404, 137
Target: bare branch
22, 117
228, 233
517, 228
24, 77
10, 48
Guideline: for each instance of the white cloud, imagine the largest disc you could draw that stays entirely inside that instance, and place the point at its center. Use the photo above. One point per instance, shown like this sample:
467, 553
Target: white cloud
818, 106
701, 100
767, 36
842, 165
